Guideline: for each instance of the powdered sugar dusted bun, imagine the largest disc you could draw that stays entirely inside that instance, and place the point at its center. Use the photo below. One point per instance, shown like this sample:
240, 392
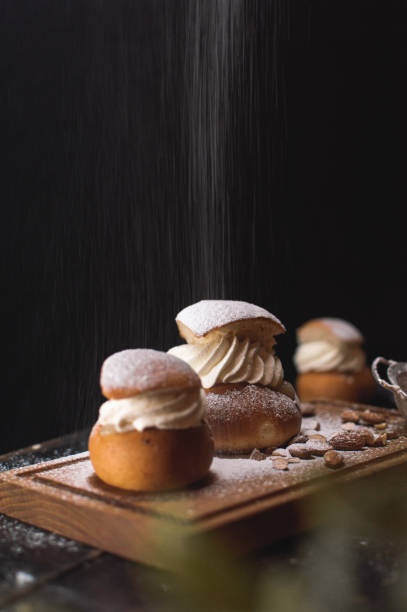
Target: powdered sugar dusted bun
151, 434
243, 417
198, 322
329, 329
134, 371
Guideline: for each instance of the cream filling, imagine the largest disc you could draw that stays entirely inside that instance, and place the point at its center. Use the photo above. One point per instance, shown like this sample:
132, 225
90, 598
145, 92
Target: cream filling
324, 356
162, 410
226, 359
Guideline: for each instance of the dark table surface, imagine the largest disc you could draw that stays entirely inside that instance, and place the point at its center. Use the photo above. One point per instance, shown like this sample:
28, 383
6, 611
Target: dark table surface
354, 562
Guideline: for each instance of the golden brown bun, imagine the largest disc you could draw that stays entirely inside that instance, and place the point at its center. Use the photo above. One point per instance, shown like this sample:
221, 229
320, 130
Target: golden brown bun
243, 417
152, 460
201, 321
135, 371
353, 387
329, 329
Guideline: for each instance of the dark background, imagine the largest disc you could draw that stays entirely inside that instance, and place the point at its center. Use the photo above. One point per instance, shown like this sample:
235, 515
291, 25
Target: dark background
154, 153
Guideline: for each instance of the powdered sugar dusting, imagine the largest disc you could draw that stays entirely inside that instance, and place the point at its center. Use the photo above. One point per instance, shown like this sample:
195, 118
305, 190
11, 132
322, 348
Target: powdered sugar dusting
231, 482
234, 404
139, 370
341, 329
207, 315
21, 537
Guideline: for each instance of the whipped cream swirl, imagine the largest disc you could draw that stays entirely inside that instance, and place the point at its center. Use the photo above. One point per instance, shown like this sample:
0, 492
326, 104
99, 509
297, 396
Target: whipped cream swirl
226, 359
325, 356
159, 409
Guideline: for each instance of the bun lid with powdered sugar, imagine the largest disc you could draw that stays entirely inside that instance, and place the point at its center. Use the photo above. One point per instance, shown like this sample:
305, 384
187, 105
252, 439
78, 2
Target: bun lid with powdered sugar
328, 328
133, 371
198, 322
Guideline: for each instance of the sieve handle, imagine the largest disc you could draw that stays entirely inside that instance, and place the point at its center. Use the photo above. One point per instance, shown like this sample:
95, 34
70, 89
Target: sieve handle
381, 381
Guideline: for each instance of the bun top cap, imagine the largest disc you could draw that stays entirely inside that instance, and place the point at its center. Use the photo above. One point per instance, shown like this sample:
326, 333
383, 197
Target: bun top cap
196, 323
329, 328
134, 371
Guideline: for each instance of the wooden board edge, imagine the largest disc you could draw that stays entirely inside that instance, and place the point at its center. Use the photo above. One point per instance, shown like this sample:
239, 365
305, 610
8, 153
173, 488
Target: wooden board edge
300, 492
148, 542
211, 521
121, 532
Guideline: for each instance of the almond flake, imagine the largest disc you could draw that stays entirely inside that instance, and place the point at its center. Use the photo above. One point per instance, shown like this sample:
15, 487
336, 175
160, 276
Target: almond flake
350, 415
257, 455
299, 450
333, 459
371, 417
316, 436
280, 464
280, 452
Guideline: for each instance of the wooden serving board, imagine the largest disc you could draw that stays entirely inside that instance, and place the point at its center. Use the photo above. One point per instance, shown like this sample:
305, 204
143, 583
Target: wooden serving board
244, 502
